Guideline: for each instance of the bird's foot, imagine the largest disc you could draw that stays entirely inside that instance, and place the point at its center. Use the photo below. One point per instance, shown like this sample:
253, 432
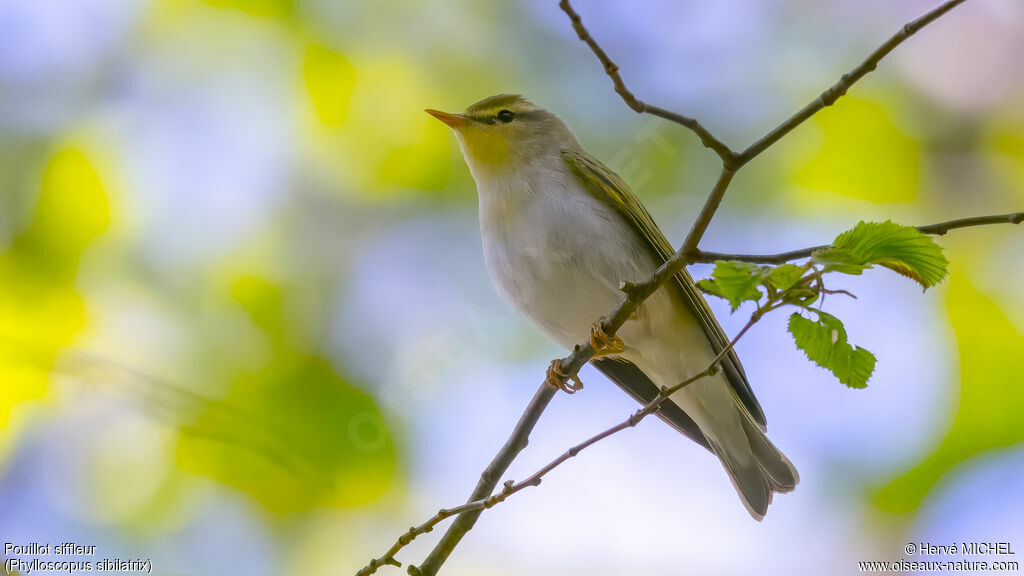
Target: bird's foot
603, 344
561, 380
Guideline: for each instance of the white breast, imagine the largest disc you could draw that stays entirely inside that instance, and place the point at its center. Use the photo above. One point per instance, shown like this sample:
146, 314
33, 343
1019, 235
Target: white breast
556, 253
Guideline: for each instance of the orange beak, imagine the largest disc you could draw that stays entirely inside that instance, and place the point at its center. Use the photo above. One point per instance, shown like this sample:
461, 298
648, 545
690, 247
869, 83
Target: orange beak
453, 120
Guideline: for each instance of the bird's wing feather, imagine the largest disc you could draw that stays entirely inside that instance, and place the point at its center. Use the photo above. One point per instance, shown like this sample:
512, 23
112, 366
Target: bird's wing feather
639, 386
606, 186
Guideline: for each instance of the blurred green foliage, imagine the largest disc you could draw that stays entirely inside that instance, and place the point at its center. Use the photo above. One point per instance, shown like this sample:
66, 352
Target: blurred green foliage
311, 440
330, 79
864, 154
1005, 148
991, 399
294, 434
261, 8
39, 307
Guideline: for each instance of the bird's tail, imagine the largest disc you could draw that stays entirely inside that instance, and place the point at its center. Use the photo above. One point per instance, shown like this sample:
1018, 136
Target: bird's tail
756, 467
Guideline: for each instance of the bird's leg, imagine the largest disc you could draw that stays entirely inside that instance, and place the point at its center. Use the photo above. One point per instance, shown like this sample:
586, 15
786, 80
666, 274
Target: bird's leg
603, 344
561, 380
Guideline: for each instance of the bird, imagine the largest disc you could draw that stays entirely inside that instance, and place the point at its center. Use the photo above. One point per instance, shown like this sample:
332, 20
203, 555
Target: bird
561, 232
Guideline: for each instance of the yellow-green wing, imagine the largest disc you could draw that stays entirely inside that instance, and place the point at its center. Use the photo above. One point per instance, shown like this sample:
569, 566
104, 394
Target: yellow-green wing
604, 184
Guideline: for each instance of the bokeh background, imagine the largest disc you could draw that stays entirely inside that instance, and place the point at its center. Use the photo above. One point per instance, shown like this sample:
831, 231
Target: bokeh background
245, 326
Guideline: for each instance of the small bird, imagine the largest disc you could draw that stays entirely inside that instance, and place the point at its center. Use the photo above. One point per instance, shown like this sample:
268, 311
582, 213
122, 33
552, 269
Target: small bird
561, 232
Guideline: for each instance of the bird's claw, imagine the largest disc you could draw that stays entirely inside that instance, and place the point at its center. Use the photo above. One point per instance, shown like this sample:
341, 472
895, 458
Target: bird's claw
603, 344
561, 380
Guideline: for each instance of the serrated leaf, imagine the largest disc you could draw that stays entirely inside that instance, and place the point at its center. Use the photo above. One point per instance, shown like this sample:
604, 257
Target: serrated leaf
824, 342
900, 248
862, 366
710, 287
839, 260
734, 281
785, 276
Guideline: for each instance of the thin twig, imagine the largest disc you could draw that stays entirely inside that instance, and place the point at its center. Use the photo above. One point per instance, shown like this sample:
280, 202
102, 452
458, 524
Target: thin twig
648, 409
478, 505
700, 225
837, 90
645, 411
612, 70
939, 229
488, 480
388, 559
468, 514
780, 258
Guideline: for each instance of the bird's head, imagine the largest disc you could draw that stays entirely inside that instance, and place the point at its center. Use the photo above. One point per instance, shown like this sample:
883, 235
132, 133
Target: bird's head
506, 132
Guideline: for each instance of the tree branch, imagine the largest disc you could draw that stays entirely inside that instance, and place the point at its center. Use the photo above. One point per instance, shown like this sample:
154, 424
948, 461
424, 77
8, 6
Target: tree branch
479, 503
939, 229
468, 513
489, 479
837, 90
645, 411
612, 70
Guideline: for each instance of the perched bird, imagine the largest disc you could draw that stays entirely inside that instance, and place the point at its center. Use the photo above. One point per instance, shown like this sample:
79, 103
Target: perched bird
561, 232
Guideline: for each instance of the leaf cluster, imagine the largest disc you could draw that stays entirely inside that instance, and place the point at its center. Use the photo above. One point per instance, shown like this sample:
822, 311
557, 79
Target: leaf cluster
820, 335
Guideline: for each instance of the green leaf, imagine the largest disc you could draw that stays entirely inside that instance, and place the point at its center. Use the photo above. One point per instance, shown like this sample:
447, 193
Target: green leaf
839, 260
899, 248
802, 297
734, 281
824, 342
785, 276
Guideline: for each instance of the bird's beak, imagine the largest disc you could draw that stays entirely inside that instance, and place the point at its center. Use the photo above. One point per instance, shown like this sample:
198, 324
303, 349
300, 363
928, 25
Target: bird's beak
454, 120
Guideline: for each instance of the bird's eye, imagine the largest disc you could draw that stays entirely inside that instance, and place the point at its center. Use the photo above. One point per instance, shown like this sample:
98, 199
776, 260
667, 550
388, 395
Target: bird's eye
506, 116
